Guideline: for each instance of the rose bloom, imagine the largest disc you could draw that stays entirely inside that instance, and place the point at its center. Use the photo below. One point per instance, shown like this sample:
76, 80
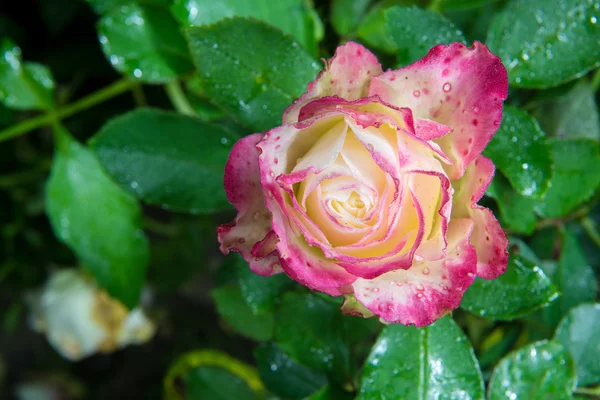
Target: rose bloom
369, 189
80, 319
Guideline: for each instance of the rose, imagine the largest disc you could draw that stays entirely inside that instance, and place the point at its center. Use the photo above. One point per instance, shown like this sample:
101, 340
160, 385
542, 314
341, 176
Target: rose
369, 188
80, 319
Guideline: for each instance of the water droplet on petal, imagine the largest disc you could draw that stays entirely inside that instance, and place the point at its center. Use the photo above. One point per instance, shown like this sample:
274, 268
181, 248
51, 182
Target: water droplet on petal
447, 87
416, 93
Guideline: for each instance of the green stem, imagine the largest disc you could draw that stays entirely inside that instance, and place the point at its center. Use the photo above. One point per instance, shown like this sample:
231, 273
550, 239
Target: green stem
579, 213
588, 391
178, 99
590, 228
138, 96
596, 81
65, 112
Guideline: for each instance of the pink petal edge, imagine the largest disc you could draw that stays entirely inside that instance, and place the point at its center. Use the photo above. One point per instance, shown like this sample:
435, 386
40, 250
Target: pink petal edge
251, 230
456, 86
346, 74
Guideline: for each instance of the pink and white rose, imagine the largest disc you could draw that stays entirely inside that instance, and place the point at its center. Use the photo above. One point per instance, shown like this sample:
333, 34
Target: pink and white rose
369, 189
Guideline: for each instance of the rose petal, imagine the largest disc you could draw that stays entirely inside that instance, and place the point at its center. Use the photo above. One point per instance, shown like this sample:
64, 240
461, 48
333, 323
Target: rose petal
346, 75
253, 222
427, 290
427, 129
456, 86
281, 147
488, 236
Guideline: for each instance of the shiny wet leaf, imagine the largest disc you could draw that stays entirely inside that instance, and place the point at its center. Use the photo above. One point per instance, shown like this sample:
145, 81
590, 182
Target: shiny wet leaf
426, 363
251, 69
167, 159
542, 370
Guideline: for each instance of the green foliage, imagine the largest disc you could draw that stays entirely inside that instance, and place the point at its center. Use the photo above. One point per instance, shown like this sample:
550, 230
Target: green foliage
160, 90
257, 325
577, 332
544, 43
181, 170
520, 138
144, 42
213, 383
540, 370
422, 363
295, 17
23, 86
284, 376
109, 242
576, 176
250, 69
346, 14
500, 299
414, 31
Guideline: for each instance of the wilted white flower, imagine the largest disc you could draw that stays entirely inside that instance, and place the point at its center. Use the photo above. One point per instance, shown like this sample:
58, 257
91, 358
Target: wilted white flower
80, 319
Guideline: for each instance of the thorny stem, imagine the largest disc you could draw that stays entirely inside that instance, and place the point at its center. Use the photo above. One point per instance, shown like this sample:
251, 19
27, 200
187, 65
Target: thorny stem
49, 118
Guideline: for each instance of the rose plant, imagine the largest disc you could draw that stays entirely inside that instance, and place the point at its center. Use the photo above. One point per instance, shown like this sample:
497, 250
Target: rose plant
369, 189
416, 216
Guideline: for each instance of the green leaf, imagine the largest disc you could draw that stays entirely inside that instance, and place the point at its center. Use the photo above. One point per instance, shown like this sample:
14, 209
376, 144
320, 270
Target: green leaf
23, 86
578, 333
462, 4
105, 6
250, 69
502, 299
573, 115
214, 383
295, 17
415, 31
544, 43
346, 15
520, 151
166, 159
97, 220
516, 210
309, 328
144, 42
181, 252
261, 293
410, 363
574, 278
234, 310
331, 392
373, 30
284, 376
576, 176
542, 370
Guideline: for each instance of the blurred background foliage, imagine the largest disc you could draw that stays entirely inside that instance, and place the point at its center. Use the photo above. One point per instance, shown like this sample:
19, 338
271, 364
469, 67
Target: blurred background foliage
116, 118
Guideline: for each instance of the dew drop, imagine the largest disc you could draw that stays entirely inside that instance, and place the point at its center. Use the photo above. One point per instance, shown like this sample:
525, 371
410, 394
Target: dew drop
419, 295
416, 93
525, 166
447, 87
420, 287
426, 271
